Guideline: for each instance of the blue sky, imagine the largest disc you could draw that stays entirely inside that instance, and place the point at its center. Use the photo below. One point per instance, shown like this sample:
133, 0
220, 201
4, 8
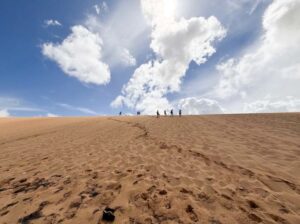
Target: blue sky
42, 76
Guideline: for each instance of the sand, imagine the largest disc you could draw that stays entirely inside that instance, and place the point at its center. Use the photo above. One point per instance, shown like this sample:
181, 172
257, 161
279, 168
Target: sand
194, 169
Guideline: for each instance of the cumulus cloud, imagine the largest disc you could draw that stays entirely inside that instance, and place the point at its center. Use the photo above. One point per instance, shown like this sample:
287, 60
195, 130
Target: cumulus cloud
126, 58
4, 113
52, 22
122, 29
271, 66
176, 43
195, 106
289, 104
80, 56
118, 102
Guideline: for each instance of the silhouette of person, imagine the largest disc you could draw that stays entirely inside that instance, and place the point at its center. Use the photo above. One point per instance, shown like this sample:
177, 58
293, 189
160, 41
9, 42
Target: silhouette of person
165, 112
180, 113
171, 112
157, 114
138, 113
120, 113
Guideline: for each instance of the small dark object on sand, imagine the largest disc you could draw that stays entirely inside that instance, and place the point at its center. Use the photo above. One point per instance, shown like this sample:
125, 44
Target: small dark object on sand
108, 214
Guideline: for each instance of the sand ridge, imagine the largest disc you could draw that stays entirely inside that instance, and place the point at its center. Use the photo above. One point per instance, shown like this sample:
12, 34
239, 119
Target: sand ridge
193, 169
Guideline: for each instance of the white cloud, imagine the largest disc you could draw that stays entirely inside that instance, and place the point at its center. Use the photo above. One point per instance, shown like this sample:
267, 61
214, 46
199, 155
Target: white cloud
51, 115
101, 8
118, 102
271, 67
176, 43
4, 113
104, 7
15, 104
52, 22
97, 8
75, 108
9, 102
254, 6
194, 106
126, 58
123, 29
79, 56
289, 104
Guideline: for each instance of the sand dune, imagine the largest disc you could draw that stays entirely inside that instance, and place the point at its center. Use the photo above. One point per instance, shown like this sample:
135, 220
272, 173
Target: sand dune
194, 169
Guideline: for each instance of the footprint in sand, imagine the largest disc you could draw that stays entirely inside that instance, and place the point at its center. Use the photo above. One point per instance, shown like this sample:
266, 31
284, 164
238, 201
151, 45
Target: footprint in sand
190, 210
73, 207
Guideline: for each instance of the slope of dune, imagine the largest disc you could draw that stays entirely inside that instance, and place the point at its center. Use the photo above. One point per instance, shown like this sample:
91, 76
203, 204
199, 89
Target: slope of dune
195, 169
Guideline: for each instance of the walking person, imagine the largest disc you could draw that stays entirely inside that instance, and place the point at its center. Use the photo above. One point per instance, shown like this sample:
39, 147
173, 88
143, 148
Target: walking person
180, 112
165, 112
120, 113
171, 112
157, 114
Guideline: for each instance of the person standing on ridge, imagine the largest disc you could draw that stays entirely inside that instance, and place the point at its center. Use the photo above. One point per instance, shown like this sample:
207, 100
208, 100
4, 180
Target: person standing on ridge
165, 112
157, 114
180, 112
171, 112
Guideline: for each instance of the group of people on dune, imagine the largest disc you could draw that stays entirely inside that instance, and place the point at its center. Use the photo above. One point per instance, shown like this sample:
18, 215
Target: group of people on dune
171, 113
158, 114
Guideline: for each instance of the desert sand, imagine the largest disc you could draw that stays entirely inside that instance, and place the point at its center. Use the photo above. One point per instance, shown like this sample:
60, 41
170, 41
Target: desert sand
216, 169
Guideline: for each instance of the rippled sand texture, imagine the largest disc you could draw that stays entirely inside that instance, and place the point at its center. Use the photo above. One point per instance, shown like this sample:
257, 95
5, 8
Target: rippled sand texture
194, 169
